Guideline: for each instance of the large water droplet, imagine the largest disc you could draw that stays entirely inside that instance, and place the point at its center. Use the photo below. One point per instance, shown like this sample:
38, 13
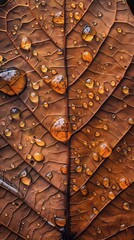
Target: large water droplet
105, 150
77, 15
59, 84
131, 121
125, 90
88, 33
15, 113
40, 142
8, 132
60, 129
12, 81
89, 83
111, 195
64, 169
34, 97
25, 177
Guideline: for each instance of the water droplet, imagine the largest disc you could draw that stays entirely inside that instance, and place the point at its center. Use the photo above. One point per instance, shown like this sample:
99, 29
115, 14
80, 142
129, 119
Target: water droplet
22, 124
105, 127
85, 105
38, 156
126, 206
88, 33
106, 182
34, 97
61, 129
40, 142
78, 169
97, 134
113, 83
25, 177
36, 86
58, 18
90, 103
81, 5
89, 83
105, 150
88, 172
95, 211
74, 127
95, 156
73, 5
99, 14
64, 169
125, 90
12, 81
25, 43
101, 89
15, 113
35, 53
123, 183
84, 190
59, 84
20, 146
111, 195
75, 188
60, 222
44, 69
90, 95
77, 160
109, 3
1, 58
98, 230
8, 132
87, 56
49, 175
77, 15
119, 30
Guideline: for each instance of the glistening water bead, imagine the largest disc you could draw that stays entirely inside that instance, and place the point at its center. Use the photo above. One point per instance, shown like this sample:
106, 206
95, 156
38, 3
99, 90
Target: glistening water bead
88, 33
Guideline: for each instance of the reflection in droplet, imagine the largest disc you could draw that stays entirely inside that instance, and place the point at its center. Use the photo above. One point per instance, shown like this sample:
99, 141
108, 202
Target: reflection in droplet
12, 81
38, 156
25, 43
88, 33
61, 129
87, 56
60, 222
105, 150
15, 113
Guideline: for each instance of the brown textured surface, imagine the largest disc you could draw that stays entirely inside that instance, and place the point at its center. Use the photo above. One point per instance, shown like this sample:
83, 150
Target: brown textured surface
82, 188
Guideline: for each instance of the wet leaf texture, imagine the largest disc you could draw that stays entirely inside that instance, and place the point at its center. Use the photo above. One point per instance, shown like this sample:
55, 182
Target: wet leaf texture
66, 120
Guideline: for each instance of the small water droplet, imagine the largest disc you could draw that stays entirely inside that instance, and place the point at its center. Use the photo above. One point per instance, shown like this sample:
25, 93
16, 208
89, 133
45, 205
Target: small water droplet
38, 156
95, 211
78, 169
99, 14
88, 172
106, 182
22, 124
77, 160
101, 89
64, 169
25, 177
84, 190
49, 175
44, 69
36, 86
34, 97
25, 43
119, 30
123, 183
105, 150
95, 156
15, 113
125, 90
87, 56
126, 206
61, 129
8, 132
75, 188
111, 195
